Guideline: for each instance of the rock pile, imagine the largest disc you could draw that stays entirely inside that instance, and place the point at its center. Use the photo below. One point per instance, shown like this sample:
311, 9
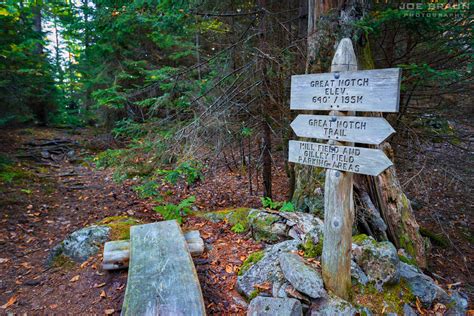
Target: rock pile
278, 281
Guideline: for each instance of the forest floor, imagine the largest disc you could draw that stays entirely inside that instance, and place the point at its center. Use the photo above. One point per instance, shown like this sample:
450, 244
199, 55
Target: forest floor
44, 203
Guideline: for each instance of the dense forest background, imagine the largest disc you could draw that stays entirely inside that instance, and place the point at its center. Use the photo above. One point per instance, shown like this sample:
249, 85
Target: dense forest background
187, 103
182, 80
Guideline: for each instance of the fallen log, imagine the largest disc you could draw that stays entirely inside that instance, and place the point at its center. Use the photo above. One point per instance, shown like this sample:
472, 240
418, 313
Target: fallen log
117, 252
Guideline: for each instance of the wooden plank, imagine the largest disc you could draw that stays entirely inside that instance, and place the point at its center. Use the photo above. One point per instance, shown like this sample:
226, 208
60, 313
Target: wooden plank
338, 202
162, 279
368, 90
344, 158
366, 130
117, 252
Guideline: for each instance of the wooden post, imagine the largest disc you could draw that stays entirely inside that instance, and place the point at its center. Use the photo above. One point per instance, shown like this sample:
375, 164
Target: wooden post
338, 201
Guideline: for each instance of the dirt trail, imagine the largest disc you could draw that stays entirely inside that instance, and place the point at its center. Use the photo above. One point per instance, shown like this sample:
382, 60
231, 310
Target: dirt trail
43, 203
48, 200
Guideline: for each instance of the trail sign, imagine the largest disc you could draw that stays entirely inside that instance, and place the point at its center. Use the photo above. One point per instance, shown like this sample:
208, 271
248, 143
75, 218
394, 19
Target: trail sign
345, 158
357, 129
368, 90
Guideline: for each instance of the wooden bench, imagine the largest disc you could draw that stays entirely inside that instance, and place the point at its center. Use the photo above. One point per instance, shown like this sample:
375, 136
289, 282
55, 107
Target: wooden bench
117, 252
162, 279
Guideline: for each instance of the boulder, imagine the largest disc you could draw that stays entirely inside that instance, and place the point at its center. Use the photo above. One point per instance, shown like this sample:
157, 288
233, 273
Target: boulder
357, 274
303, 277
81, 244
302, 224
422, 285
334, 305
267, 269
459, 304
408, 310
266, 226
379, 260
261, 306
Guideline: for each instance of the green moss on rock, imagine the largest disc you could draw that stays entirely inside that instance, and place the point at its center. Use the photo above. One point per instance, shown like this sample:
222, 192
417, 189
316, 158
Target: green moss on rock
250, 261
391, 299
120, 226
310, 249
63, 262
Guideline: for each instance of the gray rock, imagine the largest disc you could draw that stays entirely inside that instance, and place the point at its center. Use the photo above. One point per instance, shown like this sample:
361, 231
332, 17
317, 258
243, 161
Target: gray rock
459, 302
267, 269
379, 261
358, 274
81, 244
266, 227
271, 306
422, 285
334, 305
303, 224
303, 278
408, 311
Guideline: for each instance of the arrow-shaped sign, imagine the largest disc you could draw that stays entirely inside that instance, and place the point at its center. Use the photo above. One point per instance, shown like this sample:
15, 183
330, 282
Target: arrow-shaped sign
345, 158
366, 130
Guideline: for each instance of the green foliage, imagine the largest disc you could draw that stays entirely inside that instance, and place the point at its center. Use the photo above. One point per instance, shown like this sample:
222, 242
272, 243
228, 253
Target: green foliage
238, 228
274, 205
108, 158
189, 171
147, 189
177, 212
287, 207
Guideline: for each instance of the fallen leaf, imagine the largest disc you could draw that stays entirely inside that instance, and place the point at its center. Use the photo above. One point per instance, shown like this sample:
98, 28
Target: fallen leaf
26, 265
109, 311
84, 264
3, 260
103, 294
10, 302
229, 269
74, 279
53, 306
99, 285
121, 287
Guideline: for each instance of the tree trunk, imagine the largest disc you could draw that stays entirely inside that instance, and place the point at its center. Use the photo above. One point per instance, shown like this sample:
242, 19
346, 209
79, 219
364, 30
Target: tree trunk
386, 194
308, 181
267, 133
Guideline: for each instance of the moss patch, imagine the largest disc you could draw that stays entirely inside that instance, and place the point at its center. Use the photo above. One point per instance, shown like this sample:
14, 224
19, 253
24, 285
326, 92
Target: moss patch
407, 260
361, 238
391, 299
120, 226
310, 249
437, 239
63, 262
252, 259
253, 294
237, 216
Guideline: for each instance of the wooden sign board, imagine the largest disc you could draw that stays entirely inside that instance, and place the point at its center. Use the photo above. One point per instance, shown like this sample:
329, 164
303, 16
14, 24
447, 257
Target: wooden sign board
366, 130
368, 90
345, 158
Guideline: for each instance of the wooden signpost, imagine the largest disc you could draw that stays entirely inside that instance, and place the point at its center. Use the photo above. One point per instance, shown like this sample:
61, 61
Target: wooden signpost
366, 130
344, 158
344, 89
369, 90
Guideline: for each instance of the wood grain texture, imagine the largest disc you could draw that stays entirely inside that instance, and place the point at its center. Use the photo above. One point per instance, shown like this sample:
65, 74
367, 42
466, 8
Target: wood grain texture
117, 252
344, 158
338, 203
368, 90
162, 279
357, 129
